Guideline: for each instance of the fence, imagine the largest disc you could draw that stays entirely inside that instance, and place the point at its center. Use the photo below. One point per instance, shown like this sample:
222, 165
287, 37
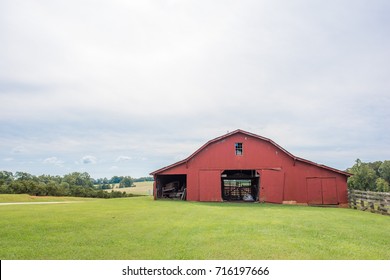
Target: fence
375, 202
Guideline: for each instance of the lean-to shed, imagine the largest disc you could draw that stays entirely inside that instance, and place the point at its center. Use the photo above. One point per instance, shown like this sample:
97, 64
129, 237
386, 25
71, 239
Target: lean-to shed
242, 166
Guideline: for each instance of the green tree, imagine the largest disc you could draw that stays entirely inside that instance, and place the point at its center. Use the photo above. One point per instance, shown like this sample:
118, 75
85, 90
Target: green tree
38, 189
5, 189
375, 166
364, 177
126, 182
382, 185
115, 180
73, 184
24, 176
384, 170
144, 179
78, 179
6, 177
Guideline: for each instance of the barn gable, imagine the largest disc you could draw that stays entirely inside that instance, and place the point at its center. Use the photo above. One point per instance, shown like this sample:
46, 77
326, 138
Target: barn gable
245, 166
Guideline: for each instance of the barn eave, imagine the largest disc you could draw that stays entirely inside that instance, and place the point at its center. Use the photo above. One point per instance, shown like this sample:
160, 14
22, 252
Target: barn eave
254, 136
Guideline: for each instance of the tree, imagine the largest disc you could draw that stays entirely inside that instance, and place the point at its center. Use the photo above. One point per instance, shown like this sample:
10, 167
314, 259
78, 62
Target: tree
144, 179
102, 184
382, 185
6, 177
115, 180
126, 182
105, 186
364, 177
78, 179
375, 166
38, 189
24, 176
384, 170
63, 189
73, 184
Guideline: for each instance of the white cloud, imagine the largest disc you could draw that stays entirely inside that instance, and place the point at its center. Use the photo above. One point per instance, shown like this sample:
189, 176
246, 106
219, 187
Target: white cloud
54, 161
123, 158
89, 160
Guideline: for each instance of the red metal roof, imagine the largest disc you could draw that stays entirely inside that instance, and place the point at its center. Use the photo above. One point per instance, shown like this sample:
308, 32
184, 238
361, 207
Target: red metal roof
252, 135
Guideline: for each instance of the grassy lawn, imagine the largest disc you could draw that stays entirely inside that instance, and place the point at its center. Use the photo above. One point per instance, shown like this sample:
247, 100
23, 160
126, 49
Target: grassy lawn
29, 198
141, 228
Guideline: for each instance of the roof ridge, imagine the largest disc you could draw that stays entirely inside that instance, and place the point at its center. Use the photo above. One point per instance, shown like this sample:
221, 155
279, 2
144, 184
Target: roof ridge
252, 135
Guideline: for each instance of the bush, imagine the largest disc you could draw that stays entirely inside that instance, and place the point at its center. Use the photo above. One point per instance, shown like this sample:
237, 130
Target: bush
382, 185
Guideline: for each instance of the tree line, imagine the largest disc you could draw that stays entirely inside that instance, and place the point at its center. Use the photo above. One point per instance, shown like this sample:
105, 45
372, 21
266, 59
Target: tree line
121, 181
370, 176
73, 184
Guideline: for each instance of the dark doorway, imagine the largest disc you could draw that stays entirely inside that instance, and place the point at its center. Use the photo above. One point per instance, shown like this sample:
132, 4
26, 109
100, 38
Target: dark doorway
171, 186
240, 185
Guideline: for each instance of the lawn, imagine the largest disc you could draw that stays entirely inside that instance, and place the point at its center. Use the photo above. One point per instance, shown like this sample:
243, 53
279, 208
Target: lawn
141, 228
30, 198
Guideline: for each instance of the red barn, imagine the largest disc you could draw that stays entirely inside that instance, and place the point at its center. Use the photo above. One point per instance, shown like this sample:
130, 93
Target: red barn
248, 167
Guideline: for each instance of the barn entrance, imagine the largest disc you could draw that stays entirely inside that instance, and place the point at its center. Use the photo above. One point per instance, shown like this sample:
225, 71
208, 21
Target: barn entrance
240, 185
171, 186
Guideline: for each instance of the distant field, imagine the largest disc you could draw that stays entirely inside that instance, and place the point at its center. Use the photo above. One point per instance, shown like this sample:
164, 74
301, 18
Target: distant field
141, 188
142, 228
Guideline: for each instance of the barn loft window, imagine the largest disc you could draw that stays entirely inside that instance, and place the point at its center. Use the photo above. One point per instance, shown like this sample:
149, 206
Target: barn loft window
238, 147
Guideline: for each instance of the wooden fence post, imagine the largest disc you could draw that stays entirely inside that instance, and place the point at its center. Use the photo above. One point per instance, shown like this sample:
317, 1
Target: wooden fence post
376, 202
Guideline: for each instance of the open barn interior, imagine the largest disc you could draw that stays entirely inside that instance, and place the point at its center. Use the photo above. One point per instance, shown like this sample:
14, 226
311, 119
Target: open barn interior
240, 185
171, 186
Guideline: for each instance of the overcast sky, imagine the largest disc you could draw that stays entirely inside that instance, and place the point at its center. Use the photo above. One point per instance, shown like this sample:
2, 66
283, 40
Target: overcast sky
125, 87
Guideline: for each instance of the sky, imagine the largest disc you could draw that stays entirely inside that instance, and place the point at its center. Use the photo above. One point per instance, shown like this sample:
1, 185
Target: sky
126, 87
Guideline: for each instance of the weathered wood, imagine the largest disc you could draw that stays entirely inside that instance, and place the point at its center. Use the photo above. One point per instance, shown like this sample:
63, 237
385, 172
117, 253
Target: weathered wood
183, 196
371, 205
375, 202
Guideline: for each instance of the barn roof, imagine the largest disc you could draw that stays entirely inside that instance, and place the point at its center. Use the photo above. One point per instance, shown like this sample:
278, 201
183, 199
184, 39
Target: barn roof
252, 135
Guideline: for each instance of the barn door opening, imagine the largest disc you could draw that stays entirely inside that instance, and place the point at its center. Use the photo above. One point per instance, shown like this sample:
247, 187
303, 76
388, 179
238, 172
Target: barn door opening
240, 185
171, 186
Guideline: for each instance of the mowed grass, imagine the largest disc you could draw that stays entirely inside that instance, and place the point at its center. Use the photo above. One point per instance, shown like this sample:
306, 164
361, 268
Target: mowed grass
30, 198
141, 228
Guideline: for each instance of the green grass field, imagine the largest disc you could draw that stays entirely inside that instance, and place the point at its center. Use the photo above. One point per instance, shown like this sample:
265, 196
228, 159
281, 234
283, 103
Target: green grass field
141, 228
29, 198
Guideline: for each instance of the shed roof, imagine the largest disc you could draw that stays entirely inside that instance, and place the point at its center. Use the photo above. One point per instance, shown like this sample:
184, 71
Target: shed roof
252, 135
